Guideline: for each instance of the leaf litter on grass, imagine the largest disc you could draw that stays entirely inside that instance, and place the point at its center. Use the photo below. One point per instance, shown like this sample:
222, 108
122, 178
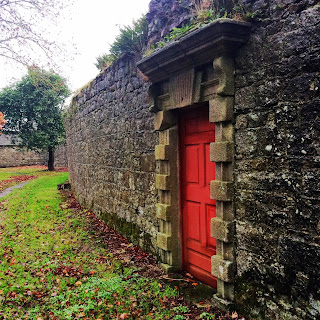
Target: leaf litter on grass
13, 180
59, 261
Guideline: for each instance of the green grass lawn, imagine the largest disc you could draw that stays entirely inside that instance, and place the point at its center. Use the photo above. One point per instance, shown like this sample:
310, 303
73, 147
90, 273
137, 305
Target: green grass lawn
52, 268
5, 175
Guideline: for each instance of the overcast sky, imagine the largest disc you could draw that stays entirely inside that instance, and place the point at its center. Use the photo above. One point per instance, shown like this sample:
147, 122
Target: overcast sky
86, 32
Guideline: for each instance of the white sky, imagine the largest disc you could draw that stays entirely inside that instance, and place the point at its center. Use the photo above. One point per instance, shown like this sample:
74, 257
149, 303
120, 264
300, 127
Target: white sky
85, 35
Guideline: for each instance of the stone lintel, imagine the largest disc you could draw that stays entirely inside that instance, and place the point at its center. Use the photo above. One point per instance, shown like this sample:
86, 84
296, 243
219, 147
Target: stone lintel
221, 151
164, 120
164, 241
222, 269
220, 38
163, 211
162, 182
221, 109
222, 230
161, 152
221, 190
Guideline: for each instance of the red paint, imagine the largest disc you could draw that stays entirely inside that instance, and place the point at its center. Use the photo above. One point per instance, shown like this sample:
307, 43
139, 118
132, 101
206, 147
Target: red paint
197, 209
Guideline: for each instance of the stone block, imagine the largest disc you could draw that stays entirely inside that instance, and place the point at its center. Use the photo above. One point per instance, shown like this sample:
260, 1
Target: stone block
224, 171
221, 109
164, 241
162, 182
224, 68
224, 132
167, 268
147, 163
221, 151
164, 120
161, 152
221, 190
223, 304
163, 211
222, 230
225, 210
222, 269
225, 290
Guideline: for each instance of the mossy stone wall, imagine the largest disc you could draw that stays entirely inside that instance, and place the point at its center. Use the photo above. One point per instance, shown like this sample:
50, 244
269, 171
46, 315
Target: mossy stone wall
110, 142
276, 166
277, 108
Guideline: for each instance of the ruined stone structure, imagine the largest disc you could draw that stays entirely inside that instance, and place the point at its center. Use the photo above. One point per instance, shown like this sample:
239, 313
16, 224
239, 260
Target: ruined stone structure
12, 156
254, 88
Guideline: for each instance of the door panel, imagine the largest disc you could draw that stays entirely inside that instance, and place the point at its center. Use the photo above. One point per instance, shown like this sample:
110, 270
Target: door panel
197, 209
192, 212
192, 163
211, 213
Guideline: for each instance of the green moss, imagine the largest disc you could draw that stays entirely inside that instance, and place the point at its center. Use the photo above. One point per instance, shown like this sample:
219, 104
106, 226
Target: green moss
88, 85
246, 296
130, 230
254, 291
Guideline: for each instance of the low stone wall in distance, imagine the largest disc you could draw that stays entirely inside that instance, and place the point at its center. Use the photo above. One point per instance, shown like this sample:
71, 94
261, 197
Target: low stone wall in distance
13, 156
60, 156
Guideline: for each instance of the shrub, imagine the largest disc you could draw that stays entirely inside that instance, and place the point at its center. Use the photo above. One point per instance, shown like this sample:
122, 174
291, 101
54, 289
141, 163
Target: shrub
132, 39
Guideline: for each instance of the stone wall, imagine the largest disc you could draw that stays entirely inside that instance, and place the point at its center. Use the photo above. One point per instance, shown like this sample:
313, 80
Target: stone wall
111, 151
276, 165
13, 156
276, 174
277, 188
60, 156
164, 15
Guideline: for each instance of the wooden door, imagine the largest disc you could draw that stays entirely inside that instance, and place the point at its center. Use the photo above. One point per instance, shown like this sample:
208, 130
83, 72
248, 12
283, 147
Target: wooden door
197, 209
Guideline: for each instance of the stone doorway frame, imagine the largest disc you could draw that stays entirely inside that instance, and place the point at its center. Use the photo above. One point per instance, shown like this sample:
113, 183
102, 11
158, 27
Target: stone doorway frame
197, 69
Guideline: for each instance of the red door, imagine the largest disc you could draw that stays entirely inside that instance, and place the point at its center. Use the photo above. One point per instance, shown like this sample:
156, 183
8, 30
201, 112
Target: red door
196, 133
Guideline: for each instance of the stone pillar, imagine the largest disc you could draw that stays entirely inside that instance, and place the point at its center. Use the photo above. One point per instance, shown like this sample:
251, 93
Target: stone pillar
222, 153
167, 183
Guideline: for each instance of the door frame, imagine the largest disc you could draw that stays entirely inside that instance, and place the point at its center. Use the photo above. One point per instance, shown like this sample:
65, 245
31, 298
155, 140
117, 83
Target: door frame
180, 79
211, 84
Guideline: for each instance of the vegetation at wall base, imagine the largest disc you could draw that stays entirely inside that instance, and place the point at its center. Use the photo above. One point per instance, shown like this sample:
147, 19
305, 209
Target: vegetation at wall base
56, 266
33, 110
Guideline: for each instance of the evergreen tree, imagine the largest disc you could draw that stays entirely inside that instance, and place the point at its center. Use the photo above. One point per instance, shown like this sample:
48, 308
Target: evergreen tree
33, 107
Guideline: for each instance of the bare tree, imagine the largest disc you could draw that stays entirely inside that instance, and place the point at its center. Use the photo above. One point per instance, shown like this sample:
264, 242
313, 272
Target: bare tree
24, 29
